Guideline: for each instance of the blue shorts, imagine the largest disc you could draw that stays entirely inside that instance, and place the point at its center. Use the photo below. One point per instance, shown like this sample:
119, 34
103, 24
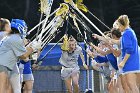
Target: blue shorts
28, 77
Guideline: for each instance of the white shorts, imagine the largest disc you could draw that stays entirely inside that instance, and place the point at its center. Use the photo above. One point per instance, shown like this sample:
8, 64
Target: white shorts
135, 71
6, 70
67, 72
15, 82
21, 75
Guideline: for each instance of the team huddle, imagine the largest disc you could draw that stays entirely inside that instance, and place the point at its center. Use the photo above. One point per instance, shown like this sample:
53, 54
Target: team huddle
117, 56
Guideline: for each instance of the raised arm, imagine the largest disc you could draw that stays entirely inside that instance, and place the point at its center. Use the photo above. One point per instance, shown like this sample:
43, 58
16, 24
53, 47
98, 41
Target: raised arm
107, 39
100, 50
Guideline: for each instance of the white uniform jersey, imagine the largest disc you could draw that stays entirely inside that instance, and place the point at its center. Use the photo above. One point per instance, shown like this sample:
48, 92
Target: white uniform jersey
70, 59
10, 49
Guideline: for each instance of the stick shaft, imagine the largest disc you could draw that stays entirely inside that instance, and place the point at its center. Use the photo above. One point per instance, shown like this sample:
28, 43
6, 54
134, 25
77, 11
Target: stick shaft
74, 6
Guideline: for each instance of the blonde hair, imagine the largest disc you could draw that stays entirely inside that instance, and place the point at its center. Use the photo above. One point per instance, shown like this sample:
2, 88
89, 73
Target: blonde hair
3, 22
123, 20
115, 24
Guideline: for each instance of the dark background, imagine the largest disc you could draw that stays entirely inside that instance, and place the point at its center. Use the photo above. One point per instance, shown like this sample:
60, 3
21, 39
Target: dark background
106, 10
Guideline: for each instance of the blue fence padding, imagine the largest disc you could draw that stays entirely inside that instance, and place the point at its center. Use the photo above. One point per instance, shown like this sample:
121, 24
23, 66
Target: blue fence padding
51, 81
52, 58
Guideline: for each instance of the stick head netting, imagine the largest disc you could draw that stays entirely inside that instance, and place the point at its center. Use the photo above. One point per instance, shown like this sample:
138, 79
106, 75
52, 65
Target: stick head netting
43, 5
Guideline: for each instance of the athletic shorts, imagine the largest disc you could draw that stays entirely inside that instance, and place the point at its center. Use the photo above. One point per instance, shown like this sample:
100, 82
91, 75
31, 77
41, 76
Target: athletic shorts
6, 70
119, 72
28, 77
21, 74
67, 72
129, 72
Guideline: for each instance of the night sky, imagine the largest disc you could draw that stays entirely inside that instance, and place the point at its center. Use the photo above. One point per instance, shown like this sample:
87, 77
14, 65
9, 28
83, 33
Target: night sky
105, 10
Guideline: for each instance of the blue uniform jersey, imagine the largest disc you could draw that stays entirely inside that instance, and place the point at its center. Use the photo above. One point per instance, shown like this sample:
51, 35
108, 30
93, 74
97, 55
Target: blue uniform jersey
108, 58
27, 67
129, 45
139, 56
101, 59
113, 60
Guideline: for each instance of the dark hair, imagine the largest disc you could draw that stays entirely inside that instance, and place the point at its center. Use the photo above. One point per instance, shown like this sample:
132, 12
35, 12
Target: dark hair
107, 32
116, 32
3, 22
14, 31
71, 38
